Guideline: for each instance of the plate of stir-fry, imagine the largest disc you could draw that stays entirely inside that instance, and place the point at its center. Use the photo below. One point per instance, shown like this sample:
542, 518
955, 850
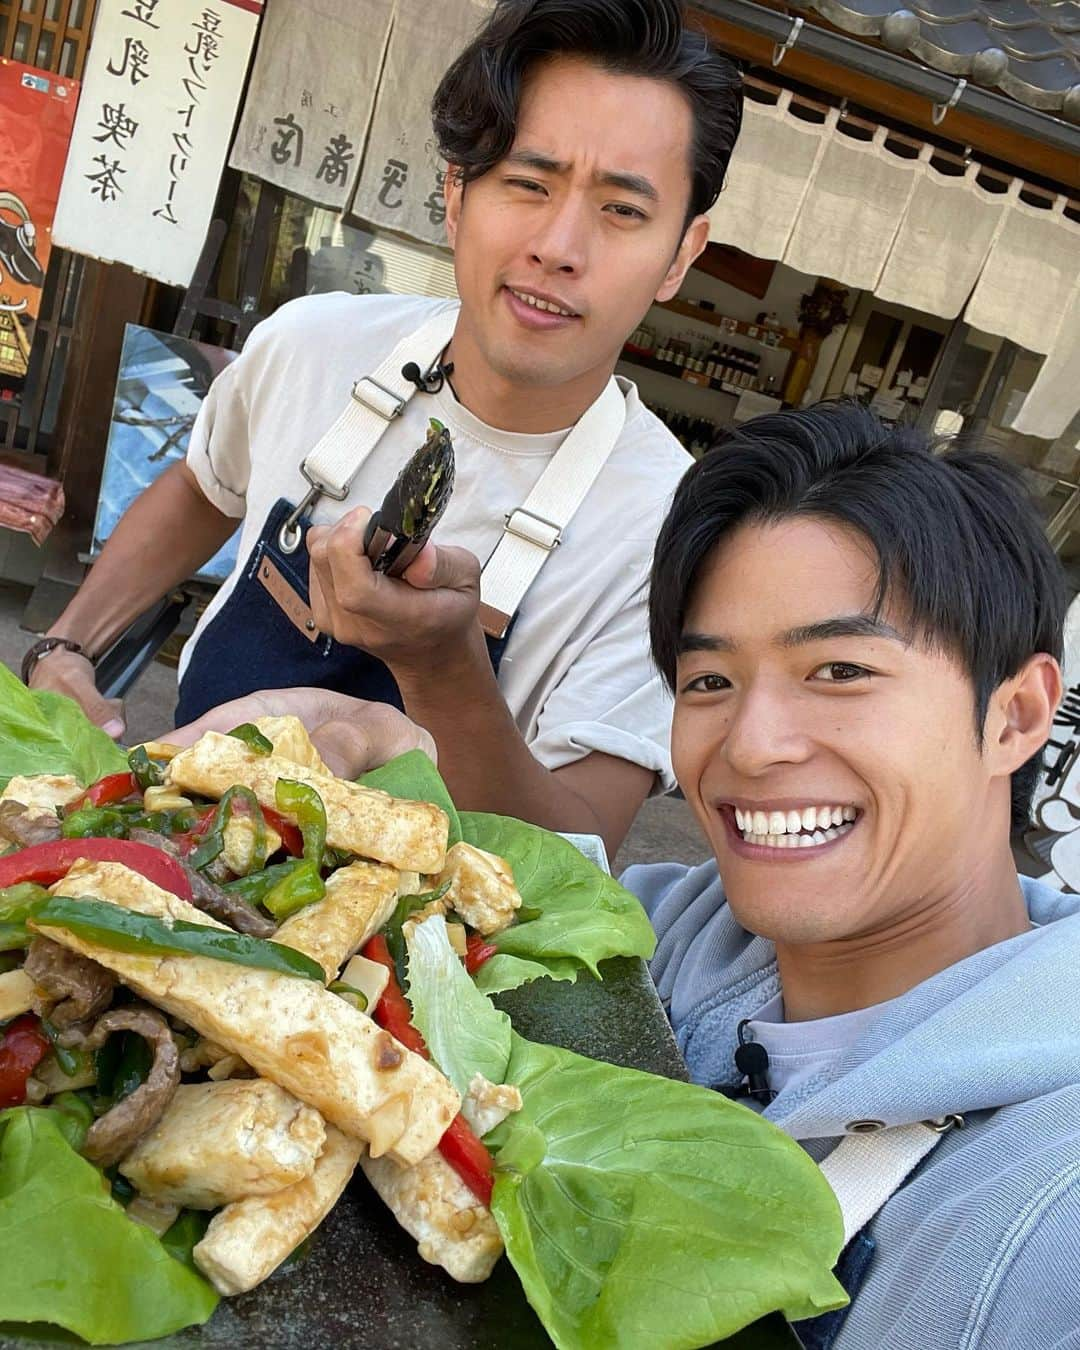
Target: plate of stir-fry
241, 996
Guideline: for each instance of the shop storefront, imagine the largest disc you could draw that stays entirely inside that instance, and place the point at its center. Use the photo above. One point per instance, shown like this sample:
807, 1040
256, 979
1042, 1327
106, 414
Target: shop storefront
873, 241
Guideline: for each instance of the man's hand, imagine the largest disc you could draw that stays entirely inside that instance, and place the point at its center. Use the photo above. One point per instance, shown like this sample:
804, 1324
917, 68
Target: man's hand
351, 734
409, 622
68, 673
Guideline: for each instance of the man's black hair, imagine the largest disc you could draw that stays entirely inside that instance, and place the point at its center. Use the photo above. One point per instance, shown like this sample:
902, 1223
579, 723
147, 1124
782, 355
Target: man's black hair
959, 543
475, 107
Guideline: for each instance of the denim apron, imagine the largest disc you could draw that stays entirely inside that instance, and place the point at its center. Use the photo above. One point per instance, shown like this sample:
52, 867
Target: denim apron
252, 643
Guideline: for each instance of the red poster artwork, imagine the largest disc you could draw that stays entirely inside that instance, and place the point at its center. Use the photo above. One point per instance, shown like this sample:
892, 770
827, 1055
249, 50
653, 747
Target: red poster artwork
37, 112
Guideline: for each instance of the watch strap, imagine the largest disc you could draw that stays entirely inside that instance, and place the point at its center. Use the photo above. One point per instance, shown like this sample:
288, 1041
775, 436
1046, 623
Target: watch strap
42, 648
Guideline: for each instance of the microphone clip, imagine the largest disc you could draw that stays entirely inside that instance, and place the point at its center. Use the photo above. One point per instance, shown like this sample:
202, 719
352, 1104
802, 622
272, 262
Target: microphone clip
752, 1061
431, 380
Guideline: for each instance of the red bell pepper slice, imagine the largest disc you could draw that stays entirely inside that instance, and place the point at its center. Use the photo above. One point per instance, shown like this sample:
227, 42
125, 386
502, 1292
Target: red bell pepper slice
470, 1159
291, 839
392, 1012
477, 951
46, 863
463, 1150
22, 1049
114, 787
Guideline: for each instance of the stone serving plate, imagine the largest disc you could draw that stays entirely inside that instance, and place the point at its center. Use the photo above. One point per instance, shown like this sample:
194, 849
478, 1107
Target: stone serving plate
363, 1285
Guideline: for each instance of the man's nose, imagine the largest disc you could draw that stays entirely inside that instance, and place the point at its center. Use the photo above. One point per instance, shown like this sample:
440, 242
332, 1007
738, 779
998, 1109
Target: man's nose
561, 244
765, 731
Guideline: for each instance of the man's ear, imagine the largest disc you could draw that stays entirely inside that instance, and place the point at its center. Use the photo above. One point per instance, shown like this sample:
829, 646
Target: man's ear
694, 239
1021, 712
454, 195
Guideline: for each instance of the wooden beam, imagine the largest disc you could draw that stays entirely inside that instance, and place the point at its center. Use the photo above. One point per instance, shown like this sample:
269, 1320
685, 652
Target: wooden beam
999, 143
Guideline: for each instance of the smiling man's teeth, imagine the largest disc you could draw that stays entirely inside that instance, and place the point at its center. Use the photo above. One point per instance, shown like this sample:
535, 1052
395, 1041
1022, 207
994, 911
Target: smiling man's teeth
795, 829
545, 305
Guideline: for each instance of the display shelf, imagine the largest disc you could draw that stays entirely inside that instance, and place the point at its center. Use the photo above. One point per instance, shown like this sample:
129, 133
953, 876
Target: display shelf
672, 372
789, 341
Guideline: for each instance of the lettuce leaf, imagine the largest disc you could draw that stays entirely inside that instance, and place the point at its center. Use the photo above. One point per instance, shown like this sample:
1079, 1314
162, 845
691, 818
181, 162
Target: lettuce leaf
584, 917
414, 776
42, 732
464, 1033
63, 1240
637, 1211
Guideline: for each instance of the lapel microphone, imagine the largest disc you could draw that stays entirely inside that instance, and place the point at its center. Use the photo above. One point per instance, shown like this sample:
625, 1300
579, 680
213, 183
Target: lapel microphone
752, 1061
429, 381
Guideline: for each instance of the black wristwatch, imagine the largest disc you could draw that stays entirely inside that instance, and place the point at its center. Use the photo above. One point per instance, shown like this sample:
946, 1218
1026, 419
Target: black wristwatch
42, 648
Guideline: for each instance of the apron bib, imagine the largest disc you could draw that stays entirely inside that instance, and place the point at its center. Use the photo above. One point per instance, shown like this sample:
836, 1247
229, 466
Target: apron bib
264, 636
261, 639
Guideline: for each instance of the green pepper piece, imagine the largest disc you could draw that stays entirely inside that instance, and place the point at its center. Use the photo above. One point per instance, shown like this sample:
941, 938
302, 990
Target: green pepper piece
13, 936
253, 738
95, 822
302, 887
214, 842
74, 1115
17, 902
304, 805
123, 1063
356, 997
126, 930
70, 1061
256, 886
145, 771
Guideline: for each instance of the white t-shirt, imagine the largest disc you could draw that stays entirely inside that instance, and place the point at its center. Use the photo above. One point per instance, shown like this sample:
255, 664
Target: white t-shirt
801, 1050
577, 674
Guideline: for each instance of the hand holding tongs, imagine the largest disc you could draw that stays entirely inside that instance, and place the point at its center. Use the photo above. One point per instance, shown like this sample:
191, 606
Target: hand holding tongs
412, 508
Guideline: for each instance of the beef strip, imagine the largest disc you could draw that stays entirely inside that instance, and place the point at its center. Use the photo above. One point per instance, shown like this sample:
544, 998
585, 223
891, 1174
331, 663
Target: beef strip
206, 896
118, 1131
77, 987
25, 825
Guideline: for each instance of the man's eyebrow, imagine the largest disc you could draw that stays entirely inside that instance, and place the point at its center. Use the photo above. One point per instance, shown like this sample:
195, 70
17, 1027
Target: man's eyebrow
704, 642
847, 626
629, 182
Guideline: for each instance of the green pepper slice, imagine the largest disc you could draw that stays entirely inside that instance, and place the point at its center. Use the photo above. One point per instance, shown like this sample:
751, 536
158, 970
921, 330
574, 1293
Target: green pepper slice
406, 907
70, 1061
146, 772
74, 1115
214, 842
96, 822
125, 930
304, 805
256, 886
302, 887
253, 738
356, 997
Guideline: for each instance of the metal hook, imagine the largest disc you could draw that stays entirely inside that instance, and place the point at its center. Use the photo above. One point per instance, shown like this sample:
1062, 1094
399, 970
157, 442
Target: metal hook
940, 109
780, 51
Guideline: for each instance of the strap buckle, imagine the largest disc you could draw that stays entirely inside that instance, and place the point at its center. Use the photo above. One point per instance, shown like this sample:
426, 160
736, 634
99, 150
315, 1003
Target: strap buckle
524, 524
378, 398
290, 534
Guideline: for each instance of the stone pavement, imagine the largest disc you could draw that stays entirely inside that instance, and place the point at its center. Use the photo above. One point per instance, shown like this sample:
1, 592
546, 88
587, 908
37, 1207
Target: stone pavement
665, 831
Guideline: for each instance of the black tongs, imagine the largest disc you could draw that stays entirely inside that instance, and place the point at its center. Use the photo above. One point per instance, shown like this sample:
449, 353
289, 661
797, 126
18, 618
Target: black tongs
412, 508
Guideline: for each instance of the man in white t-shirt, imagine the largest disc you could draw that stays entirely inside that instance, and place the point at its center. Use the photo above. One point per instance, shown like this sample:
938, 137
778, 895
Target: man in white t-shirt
576, 197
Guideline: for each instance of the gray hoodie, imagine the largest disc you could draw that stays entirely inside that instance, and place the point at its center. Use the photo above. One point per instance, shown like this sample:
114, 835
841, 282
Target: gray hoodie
980, 1249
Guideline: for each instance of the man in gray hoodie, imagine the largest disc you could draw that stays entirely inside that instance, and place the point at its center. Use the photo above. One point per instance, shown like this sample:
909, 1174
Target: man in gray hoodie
863, 638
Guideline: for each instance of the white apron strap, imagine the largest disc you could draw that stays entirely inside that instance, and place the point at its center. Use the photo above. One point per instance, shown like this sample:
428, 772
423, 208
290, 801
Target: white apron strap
376, 400
534, 529
865, 1170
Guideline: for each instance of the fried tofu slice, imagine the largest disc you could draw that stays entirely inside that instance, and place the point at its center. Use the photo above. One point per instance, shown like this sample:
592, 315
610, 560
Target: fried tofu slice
290, 1030
487, 1104
431, 1202
239, 835
290, 740
482, 888
42, 792
359, 899
250, 1238
18, 994
406, 834
220, 1142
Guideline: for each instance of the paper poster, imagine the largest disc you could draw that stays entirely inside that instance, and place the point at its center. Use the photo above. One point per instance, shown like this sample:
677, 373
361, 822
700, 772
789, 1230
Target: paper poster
311, 96
401, 183
160, 91
37, 113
